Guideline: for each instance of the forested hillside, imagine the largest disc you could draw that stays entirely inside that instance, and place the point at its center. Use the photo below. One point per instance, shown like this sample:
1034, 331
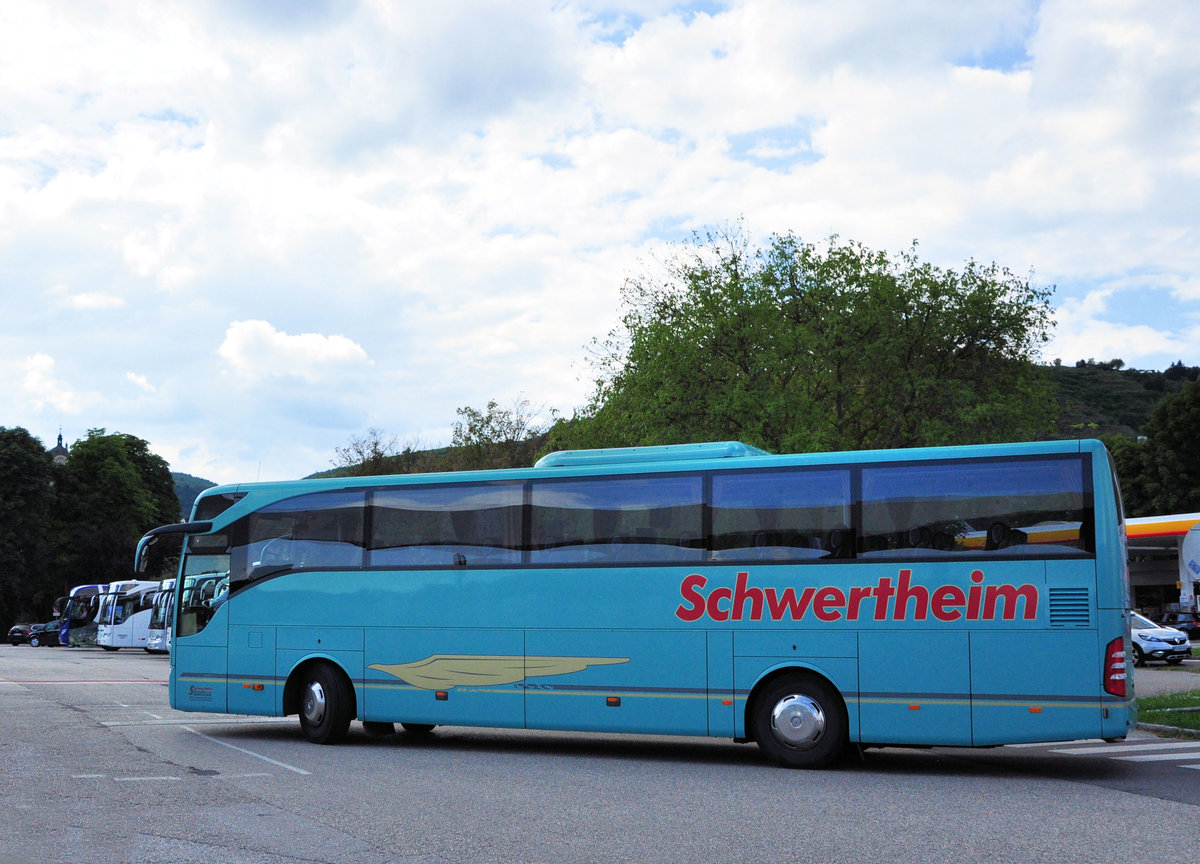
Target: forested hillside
1104, 398
187, 488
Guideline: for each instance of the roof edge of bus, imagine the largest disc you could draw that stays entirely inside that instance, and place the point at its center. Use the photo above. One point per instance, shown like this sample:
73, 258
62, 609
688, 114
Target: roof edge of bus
655, 453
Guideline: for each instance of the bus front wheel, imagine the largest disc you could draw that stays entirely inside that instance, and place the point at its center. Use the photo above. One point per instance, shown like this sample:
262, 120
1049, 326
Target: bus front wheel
326, 704
800, 721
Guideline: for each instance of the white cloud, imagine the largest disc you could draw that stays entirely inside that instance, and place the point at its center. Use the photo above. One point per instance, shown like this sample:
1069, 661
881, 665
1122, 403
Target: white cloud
404, 209
43, 390
140, 381
255, 349
95, 300
1105, 340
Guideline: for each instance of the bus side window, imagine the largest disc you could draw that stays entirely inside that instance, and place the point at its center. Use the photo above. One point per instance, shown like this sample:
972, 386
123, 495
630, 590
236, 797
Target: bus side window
324, 529
781, 515
981, 507
640, 519
452, 525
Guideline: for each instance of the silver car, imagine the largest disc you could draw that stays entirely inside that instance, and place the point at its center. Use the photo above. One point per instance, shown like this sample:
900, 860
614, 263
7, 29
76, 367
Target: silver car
1154, 642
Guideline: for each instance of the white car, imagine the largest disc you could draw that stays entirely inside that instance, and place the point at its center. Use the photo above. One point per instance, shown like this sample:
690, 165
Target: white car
1154, 642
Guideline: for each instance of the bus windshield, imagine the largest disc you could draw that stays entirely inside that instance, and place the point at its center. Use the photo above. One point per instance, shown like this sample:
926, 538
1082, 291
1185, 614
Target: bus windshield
203, 582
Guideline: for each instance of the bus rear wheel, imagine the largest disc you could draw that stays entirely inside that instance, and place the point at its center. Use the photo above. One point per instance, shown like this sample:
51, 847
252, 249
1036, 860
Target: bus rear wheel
326, 704
800, 721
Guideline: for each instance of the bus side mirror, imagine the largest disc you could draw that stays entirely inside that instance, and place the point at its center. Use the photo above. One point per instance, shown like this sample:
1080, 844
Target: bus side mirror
151, 537
142, 557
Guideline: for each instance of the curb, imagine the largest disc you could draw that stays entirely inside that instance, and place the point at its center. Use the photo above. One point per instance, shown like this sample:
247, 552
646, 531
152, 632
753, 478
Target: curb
1173, 730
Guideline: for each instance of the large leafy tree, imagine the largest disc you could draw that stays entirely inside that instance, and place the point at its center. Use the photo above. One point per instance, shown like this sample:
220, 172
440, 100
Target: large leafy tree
25, 506
110, 492
798, 347
1161, 474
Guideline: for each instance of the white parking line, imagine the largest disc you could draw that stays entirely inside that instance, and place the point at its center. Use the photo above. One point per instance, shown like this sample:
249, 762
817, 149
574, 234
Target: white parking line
1126, 748
1162, 757
233, 721
247, 752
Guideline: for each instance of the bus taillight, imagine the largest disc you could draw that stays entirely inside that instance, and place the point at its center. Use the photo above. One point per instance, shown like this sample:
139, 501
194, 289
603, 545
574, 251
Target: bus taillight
1115, 668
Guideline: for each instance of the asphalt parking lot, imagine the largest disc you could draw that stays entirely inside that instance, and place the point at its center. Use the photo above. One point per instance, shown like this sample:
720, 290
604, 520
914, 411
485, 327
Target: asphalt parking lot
98, 768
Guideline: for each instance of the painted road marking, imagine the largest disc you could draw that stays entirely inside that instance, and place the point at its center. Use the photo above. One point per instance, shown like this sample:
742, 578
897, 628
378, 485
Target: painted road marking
1163, 757
248, 752
1110, 749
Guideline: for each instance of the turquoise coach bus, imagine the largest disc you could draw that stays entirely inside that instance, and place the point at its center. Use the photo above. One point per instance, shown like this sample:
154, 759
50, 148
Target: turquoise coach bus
958, 596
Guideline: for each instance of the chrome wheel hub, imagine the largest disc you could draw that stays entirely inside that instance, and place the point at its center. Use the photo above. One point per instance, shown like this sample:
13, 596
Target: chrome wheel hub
798, 722
314, 704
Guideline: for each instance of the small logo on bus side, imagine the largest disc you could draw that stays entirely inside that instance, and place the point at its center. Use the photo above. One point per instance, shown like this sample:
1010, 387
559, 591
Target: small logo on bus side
200, 694
883, 601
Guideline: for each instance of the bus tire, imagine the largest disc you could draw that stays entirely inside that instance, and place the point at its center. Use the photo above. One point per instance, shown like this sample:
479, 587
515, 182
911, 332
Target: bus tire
799, 721
417, 728
326, 704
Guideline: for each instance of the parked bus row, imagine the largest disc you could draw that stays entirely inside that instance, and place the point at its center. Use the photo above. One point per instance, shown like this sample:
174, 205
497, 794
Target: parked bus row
129, 614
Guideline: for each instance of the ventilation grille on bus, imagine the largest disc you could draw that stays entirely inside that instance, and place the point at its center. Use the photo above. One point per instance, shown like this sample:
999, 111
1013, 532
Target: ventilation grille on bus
1069, 607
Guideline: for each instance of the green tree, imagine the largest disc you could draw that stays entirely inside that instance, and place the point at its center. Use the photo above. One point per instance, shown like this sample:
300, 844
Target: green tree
156, 476
366, 455
110, 492
797, 347
497, 437
25, 506
1130, 456
1162, 473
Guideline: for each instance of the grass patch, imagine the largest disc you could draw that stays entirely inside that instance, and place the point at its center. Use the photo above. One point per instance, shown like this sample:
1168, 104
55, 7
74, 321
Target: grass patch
1157, 709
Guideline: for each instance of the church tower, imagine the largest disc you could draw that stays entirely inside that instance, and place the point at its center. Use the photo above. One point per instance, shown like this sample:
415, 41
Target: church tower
59, 453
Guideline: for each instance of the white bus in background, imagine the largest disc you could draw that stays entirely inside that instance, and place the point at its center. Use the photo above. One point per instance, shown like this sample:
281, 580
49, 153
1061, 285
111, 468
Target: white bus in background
162, 616
77, 613
124, 617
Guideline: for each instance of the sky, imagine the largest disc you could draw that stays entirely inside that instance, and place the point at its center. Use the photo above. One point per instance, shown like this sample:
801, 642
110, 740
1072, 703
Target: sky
250, 232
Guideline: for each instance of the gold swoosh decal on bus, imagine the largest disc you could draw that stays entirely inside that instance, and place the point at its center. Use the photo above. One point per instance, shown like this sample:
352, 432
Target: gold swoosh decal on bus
446, 671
